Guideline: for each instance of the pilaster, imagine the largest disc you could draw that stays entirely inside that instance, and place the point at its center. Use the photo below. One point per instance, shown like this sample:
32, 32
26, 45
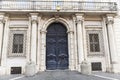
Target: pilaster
72, 59
79, 22
43, 50
5, 42
34, 27
2, 21
106, 46
75, 43
112, 44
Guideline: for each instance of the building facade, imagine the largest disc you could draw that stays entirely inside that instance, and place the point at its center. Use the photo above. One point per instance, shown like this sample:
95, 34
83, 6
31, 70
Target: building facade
59, 35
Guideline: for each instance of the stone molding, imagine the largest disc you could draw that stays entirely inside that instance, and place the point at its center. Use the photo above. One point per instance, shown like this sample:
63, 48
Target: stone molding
71, 32
43, 31
59, 19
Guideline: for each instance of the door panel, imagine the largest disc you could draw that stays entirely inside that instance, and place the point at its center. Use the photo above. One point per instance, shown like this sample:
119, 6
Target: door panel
57, 47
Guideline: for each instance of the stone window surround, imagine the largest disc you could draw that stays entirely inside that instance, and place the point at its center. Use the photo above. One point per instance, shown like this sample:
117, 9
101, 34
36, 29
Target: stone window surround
101, 41
10, 44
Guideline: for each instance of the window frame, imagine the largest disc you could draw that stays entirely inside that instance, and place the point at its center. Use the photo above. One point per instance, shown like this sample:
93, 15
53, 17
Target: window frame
101, 42
18, 43
10, 45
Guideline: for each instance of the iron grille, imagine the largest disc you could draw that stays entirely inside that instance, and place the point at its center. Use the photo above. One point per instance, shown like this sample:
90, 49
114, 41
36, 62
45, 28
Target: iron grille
16, 70
94, 43
18, 43
96, 66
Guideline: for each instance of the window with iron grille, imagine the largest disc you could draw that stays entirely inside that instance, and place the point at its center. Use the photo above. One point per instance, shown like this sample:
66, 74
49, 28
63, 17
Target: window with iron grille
17, 43
17, 40
95, 41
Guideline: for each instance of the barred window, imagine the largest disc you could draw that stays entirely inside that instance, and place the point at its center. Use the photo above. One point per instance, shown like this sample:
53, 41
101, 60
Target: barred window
18, 43
94, 43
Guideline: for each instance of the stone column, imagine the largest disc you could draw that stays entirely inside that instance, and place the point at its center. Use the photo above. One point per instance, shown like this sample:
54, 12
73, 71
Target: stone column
5, 47
75, 43
112, 45
43, 50
72, 60
106, 46
34, 27
39, 44
1, 33
80, 39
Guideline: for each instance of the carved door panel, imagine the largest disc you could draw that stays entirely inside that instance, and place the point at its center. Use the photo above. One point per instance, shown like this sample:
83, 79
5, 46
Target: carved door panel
57, 47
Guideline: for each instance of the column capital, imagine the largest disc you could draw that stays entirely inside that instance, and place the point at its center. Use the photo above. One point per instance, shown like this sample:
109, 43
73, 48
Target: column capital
74, 17
110, 18
79, 18
34, 17
2, 16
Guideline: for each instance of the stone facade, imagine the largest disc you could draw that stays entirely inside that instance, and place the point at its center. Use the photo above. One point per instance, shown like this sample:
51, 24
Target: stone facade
80, 25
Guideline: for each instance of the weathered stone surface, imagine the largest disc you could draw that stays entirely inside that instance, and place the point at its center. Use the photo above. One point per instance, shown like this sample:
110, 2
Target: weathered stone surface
30, 69
85, 68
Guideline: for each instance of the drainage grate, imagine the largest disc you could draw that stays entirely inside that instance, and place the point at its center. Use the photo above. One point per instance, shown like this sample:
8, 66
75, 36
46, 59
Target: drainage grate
16, 70
96, 66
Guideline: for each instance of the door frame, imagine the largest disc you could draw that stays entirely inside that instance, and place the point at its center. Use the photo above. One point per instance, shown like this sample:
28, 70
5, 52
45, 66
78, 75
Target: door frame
43, 32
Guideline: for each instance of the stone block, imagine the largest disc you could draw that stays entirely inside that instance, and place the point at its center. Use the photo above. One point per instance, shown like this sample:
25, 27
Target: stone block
86, 68
2, 71
30, 69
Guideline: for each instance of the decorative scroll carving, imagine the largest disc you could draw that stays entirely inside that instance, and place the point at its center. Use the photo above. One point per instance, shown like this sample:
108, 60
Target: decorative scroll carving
34, 17
79, 18
110, 19
2, 20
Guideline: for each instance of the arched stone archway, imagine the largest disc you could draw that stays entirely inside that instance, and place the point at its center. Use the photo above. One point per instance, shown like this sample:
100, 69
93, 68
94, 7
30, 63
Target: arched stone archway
60, 20
69, 39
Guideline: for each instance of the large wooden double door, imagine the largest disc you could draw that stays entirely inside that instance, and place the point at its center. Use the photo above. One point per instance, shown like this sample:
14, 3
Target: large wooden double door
56, 47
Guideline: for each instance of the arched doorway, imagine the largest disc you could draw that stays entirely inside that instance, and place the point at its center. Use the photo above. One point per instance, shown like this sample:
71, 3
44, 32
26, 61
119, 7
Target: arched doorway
56, 47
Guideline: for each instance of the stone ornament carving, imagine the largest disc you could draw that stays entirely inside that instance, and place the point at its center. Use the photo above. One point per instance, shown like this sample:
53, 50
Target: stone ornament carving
2, 15
2, 21
34, 17
79, 18
110, 19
